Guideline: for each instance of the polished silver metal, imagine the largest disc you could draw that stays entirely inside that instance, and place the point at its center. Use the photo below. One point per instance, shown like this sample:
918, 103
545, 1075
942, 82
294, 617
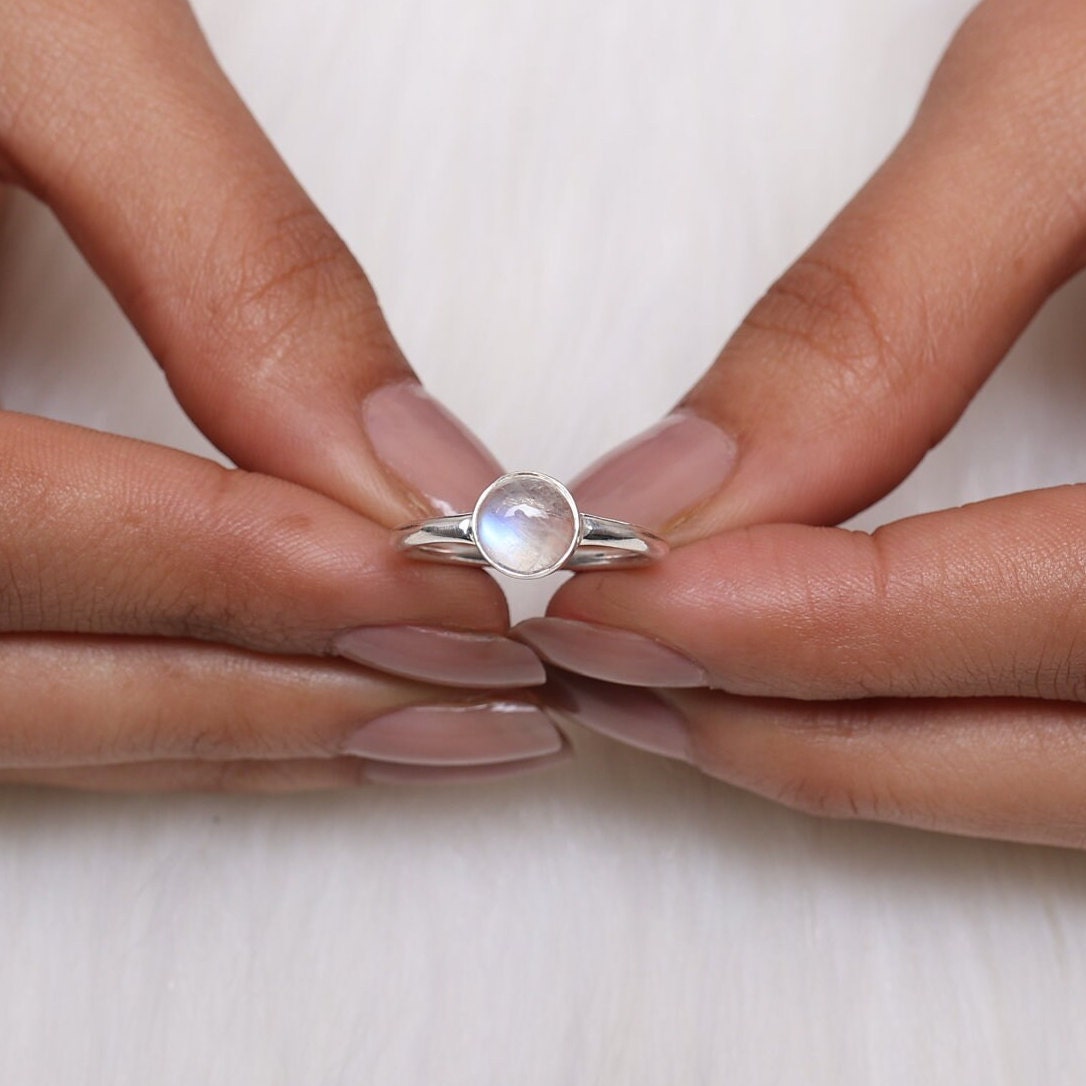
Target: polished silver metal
596, 543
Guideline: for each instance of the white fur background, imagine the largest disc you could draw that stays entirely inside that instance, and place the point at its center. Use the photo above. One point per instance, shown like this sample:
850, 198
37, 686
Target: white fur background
565, 207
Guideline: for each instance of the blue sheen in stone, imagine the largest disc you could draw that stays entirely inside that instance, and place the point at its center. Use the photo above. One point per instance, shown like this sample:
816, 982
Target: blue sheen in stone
525, 525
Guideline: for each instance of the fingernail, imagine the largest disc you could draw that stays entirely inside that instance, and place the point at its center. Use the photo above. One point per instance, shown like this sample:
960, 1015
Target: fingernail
431, 451
435, 655
396, 773
635, 717
604, 652
662, 473
457, 735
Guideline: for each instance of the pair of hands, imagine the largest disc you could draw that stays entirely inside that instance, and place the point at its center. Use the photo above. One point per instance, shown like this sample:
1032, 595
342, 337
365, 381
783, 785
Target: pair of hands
172, 624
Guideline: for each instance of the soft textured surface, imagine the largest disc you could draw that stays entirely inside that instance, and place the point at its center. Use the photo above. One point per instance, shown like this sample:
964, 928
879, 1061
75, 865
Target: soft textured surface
565, 207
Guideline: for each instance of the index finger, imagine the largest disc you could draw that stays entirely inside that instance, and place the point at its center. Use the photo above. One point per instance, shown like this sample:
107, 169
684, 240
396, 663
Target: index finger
269, 332
864, 353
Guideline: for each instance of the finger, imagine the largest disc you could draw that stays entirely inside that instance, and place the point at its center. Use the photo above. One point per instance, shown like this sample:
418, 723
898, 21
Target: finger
269, 333
111, 700
987, 600
241, 775
865, 352
107, 535
985, 767
295, 775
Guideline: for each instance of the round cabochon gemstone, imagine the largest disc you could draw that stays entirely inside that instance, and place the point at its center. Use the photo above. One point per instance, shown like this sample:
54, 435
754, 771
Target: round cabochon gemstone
526, 524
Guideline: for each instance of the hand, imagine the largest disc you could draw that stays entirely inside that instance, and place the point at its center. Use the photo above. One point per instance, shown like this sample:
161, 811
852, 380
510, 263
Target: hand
168, 623
933, 673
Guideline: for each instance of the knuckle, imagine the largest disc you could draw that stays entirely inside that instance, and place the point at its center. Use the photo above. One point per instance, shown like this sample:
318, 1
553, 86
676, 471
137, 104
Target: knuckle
226, 593
19, 606
292, 271
824, 797
1060, 673
1057, 675
847, 793
841, 769
271, 573
823, 315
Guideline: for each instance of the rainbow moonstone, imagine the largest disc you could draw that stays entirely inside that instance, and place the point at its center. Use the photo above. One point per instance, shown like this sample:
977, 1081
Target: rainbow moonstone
526, 524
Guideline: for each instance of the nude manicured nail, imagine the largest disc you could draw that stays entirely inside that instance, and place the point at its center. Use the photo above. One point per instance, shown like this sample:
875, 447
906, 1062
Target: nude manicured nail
604, 652
443, 656
397, 773
457, 735
424, 444
655, 477
635, 717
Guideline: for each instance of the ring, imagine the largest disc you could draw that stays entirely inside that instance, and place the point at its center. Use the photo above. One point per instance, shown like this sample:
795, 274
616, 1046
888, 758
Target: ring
527, 524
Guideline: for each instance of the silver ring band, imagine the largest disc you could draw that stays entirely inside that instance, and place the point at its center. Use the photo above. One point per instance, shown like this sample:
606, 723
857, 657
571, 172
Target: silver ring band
526, 524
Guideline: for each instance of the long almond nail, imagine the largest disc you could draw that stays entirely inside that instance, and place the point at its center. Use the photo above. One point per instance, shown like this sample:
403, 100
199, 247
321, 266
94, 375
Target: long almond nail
604, 652
451, 657
427, 447
656, 477
398, 773
635, 717
457, 734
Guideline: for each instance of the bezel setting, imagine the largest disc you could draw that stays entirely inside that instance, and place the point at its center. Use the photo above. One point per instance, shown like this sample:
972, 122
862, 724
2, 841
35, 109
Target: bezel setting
506, 481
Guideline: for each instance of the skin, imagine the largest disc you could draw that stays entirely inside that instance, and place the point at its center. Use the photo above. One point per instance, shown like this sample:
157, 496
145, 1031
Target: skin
168, 600
932, 673
165, 622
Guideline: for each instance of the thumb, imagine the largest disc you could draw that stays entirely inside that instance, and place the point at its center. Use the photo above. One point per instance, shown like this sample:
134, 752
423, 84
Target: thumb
986, 600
